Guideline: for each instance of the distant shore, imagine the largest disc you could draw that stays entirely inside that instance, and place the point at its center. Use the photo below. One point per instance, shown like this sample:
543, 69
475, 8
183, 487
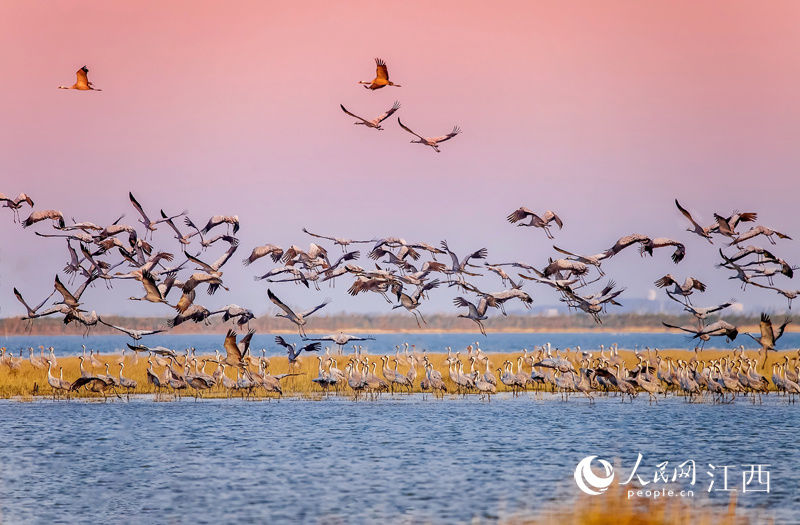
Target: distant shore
387, 324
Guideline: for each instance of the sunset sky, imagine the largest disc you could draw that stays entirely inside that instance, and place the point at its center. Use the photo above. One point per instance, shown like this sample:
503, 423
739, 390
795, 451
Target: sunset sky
602, 111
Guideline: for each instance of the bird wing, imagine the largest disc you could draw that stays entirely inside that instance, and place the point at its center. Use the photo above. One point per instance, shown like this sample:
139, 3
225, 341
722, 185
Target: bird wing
519, 214
60, 288
721, 306
353, 114
150, 286
227, 255
452, 255
171, 224
664, 281
408, 129
207, 267
321, 305
461, 302
305, 230
20, 299
747, 216
212, 222
23, 197
389, 113
424, 288
697, 285
550, 215
767, 335
138, 207
82, 77
281, 341
691, 331
456, 131
231, 347
313, 347
782, 327
688, 215
477, 254
120, 328
280, 304
381, 71
245, 342
679, 253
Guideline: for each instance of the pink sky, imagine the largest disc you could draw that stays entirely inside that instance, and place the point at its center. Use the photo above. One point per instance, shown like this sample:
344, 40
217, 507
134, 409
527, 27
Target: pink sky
602, 111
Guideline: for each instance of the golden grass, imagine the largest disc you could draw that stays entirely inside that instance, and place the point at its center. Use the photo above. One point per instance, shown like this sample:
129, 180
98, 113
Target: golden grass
614, 507
30, 381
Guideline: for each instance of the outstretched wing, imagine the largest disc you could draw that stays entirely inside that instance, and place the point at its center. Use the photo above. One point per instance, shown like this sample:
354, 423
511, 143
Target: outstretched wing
408, 129
456, 131
453, 256
138, 207
679, 327
60, 288
688, 215
171, 224
205, 266
281, 341
664, 281
234, 242
279, 303
565, 252
322, 305
313, 347
381, 71
352, 114
316, 234
115, 327
461, 302
20, 299
389, 113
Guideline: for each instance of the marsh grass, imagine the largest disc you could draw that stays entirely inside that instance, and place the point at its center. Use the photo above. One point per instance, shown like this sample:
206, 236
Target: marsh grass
29, 382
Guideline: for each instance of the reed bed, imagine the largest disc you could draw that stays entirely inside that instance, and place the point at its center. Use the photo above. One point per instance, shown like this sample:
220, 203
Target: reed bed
28, 381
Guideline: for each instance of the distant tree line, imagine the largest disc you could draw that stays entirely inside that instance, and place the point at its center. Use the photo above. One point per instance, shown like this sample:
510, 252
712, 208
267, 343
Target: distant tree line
372, 322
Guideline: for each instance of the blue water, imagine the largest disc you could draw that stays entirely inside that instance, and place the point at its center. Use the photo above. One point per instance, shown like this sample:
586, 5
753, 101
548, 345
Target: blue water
385, 343
397, 460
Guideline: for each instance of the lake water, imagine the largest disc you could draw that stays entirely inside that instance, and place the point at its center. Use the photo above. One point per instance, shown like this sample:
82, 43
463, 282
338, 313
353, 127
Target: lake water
397, 460
385, 343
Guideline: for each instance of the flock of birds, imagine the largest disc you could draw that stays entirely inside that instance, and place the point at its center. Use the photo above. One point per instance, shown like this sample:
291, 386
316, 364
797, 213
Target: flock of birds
543, 370
381, 80
403, 273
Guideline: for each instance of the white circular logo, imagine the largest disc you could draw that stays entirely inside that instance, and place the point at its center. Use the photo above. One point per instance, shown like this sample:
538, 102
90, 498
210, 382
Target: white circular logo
588, 481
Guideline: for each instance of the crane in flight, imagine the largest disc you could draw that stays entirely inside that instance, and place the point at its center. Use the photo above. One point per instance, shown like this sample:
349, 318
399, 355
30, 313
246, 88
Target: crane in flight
82, 83
381, 77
